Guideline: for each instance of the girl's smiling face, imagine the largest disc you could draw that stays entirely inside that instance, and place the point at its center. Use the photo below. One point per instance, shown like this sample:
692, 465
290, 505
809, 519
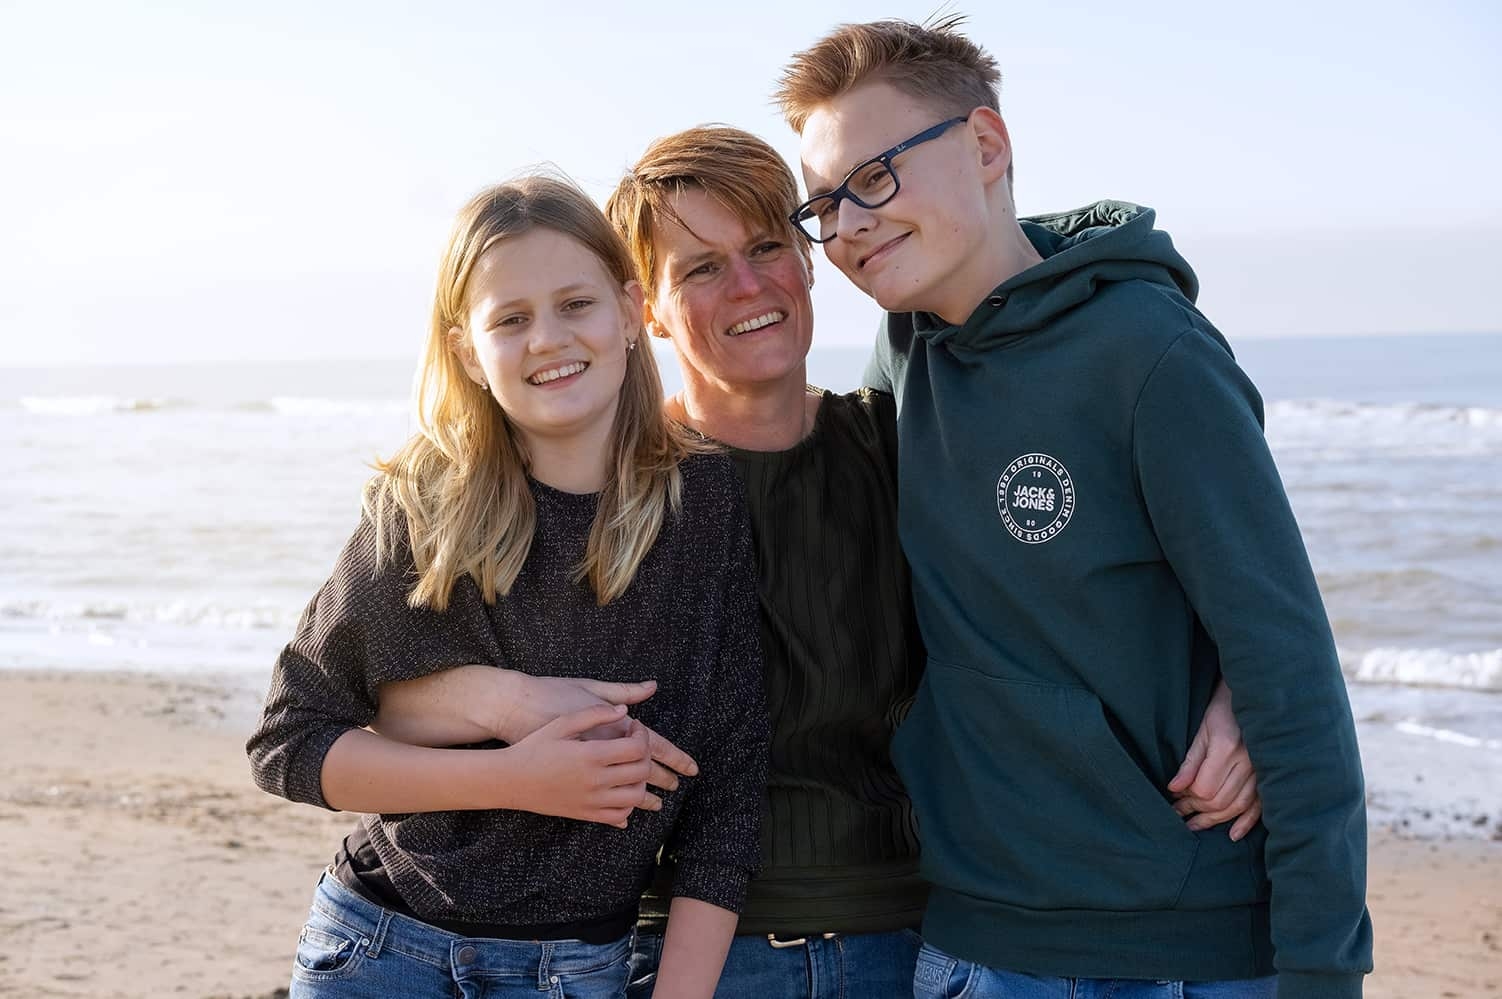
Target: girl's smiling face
548, 329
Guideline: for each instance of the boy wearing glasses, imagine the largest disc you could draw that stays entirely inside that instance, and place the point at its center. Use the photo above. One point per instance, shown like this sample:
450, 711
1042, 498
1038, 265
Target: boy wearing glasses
1096, 533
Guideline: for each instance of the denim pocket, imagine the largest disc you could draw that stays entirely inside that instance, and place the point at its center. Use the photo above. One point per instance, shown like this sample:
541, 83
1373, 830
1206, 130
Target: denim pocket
1025, 797
939, 976
606, 982
325, 951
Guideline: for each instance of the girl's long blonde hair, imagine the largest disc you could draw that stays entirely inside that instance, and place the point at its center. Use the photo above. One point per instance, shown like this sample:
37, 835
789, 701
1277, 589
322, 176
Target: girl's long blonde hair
461, 482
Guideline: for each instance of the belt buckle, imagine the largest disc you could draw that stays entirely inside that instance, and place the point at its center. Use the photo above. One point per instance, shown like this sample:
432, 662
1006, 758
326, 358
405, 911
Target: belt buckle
798, 942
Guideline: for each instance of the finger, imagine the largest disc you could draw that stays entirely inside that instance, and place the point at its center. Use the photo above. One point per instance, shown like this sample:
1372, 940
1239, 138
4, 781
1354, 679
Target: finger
626, 796
1244, 798
1227, 790
634, 773
578, 722
621, 693
671, 756
615, 730
627, 749
1214, 772
1214, 817
1189, 769
650, 802
1247, 822
1185, 806
662, 778
610, 816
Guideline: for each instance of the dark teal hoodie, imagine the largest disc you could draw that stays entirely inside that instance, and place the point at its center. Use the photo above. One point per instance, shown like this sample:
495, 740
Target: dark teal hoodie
1097, 533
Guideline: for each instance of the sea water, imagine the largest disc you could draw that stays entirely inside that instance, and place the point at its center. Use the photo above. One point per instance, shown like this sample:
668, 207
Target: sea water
178, 518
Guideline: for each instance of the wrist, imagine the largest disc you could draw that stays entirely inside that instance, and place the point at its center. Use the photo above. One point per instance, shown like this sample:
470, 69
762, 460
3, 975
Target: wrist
499, 781
496, 711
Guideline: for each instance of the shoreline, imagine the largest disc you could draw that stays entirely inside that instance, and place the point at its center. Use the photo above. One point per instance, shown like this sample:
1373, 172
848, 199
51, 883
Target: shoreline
143, 861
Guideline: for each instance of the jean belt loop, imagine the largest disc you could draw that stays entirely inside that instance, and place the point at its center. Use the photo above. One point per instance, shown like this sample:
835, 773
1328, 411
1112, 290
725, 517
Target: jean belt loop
544, 979
378, 940
777, 944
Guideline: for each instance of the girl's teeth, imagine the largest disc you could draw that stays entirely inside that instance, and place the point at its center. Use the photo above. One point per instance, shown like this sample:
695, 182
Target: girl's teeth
551, 376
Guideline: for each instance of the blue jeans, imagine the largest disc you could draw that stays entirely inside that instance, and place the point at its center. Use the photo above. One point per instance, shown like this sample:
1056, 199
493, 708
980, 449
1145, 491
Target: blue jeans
352, 947
843, 966
940, 976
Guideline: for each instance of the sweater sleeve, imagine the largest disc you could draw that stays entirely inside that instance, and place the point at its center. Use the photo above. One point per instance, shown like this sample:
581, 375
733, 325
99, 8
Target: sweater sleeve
356, 634
716, 843
1221, 515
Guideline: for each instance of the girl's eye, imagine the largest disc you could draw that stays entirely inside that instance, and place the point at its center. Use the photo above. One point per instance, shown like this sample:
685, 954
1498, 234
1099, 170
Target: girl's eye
574, 305
515, 320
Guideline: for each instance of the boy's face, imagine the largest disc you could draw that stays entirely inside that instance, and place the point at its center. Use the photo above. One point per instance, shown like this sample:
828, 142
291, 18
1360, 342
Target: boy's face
913, 252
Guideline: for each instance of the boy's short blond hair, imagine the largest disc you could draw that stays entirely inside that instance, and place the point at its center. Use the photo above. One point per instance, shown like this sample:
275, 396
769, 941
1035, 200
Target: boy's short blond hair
936, 65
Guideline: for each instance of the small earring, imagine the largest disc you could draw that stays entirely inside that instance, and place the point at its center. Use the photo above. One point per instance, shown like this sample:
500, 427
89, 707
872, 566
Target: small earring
630, 344
484, 386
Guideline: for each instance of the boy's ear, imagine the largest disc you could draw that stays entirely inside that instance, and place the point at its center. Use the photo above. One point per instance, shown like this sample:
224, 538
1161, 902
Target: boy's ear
995, 144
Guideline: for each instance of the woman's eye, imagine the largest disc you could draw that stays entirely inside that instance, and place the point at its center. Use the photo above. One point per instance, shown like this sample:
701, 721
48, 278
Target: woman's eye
702, 270
770, 246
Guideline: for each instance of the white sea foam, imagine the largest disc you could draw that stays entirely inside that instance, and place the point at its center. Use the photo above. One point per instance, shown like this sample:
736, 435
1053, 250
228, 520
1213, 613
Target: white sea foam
1416, 428
306, 406
89, 405
99, 615
1426, 668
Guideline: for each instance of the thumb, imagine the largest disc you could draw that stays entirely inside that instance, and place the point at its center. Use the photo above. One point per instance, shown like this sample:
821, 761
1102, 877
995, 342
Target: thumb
622, 693
577, 722
1190, 768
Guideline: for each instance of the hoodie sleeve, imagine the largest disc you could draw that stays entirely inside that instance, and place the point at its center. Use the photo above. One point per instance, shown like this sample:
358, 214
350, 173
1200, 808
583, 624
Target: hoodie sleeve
889, 354
877, 375
1223, 520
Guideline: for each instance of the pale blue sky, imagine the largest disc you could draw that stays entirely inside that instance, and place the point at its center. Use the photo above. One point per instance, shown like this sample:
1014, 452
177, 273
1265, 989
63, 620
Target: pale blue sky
215, 181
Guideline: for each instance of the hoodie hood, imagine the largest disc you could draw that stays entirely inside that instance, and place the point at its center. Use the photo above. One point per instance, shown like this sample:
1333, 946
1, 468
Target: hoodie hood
1106, 242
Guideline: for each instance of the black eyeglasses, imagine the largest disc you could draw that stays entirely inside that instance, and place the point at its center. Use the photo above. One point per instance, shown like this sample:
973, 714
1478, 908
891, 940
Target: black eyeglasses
870, 185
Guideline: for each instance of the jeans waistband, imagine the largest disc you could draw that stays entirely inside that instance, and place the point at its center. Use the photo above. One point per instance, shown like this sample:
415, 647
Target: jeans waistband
380, 929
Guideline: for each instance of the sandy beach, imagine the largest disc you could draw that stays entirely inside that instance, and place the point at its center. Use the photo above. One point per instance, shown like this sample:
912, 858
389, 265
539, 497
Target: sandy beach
141, 861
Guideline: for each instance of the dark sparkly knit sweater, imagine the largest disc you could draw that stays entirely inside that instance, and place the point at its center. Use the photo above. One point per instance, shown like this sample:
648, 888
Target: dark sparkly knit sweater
688, 620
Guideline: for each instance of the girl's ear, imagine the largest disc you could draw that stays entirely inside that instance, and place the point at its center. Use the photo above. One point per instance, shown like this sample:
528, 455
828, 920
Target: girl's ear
634, 295
459, 345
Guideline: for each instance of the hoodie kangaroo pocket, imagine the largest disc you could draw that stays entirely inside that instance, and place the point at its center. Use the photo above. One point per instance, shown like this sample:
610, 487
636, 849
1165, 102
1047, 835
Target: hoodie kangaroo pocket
1025, 797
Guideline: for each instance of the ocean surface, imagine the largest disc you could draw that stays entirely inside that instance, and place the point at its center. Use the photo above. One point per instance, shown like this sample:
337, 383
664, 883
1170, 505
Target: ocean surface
178, 518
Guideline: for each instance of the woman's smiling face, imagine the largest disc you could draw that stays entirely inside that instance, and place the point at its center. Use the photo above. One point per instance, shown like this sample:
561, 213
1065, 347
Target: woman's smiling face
733, 299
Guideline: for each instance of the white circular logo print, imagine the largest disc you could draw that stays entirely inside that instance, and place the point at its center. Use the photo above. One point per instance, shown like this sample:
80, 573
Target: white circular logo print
1036, 498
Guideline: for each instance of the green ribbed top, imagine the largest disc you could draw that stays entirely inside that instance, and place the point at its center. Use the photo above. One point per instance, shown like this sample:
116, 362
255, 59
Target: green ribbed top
843, 659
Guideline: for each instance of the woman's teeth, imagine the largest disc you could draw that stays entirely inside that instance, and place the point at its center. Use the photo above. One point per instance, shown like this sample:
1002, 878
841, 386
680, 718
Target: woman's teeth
755, 324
